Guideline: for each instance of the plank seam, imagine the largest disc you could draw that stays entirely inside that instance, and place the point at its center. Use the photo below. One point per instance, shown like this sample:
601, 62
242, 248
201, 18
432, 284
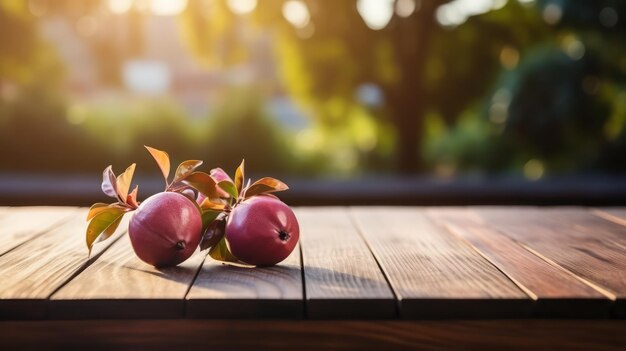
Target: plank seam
611, 296
446, 227
611, 218
359, 231
53, 226
193, 281
80, 269
305, 308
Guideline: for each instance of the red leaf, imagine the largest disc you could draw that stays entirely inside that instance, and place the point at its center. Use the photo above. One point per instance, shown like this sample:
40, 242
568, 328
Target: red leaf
265, 185
131, 199
213, 234
219, 175
203, 183
185, 169
109, 186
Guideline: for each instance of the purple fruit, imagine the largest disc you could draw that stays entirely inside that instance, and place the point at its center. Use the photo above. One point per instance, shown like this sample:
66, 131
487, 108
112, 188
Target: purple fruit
166, 229
262, 231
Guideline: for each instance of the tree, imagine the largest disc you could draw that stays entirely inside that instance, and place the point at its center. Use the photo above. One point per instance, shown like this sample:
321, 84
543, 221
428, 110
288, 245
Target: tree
324, 68
420, 67
562, 108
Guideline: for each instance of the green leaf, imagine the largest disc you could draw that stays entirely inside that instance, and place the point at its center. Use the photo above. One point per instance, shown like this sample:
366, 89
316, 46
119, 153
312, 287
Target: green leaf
162, 159
203, 183
123, 182
229, 187
95, 209
185, 169
213, 234
208, 205
265, 185
209, 216
109, 186
221, 252
240, 176
101, 224
110, 230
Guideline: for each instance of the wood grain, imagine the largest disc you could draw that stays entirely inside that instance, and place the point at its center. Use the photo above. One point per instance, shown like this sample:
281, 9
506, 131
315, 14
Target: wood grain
3, 212
223, 291
342, 278
119, 285
573, 239
434, 274
157, 335
616, 215
557, 293
33, 271
19, 224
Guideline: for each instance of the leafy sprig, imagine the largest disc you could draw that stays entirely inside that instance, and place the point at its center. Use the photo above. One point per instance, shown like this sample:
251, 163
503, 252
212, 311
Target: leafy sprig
217, 195
232, 194
105, 218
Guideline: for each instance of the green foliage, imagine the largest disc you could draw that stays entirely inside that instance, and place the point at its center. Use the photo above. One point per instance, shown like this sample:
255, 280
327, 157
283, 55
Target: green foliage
503, 88
562, 105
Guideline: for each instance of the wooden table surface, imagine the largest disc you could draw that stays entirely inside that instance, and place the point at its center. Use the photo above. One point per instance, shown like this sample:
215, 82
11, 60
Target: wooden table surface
376, 264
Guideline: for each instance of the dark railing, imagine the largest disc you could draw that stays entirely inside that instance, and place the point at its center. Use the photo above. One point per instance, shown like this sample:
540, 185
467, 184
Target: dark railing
596, 190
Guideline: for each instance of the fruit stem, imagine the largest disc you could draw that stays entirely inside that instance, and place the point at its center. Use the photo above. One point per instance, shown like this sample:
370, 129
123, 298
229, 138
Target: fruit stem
180, 245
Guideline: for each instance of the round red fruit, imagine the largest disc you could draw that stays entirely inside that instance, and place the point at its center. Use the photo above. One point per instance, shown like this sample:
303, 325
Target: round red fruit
262, 231
166, 229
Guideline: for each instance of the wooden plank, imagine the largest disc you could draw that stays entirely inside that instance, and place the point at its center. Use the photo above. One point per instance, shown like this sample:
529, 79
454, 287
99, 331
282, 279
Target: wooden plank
616, 215
154, 335
3, 212
119, 285
434, 274
224, 291
589, 222
342, 278
19, 224
33, 271
557, 293
573, 239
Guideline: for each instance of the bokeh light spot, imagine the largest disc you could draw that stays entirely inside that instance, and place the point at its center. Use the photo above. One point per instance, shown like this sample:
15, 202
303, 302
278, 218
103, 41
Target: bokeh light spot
552, 14
297, 13
167, 7
375, 13
241, 7
573, 47
120, 6
509, 57
405, 8
608, 17
534, 169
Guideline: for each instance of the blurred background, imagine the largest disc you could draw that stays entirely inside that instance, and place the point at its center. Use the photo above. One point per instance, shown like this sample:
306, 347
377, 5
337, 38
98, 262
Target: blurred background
349, 102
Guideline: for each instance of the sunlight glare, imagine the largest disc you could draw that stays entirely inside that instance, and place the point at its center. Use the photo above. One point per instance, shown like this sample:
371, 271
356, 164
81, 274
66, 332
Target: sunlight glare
167, 7
297, 13
405, 8
120, 6
375, 13
457, 12
241, 7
